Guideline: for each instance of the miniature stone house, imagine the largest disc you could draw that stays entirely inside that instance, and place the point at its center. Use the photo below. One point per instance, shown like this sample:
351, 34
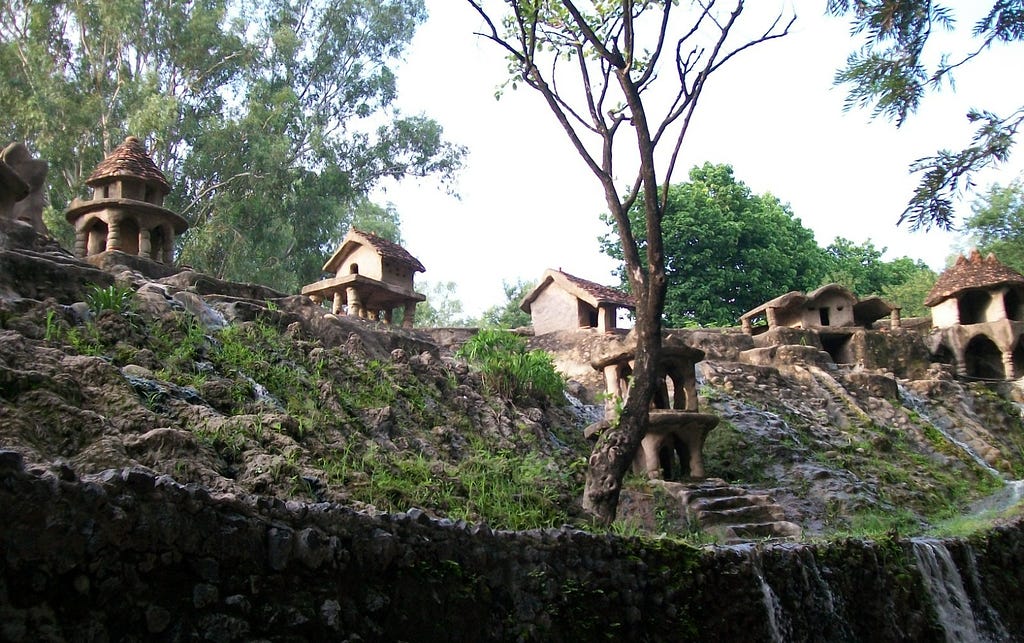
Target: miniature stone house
827, 318
977, 309
125, 212
22, 181
564, 302
373, 276
831, 306
676, 427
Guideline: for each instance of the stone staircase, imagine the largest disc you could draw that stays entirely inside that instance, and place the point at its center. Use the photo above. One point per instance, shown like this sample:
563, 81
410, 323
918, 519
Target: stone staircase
732, 513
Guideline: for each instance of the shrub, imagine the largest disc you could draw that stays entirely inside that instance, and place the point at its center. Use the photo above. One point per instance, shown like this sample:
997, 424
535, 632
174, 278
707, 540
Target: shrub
114, 297
509, 370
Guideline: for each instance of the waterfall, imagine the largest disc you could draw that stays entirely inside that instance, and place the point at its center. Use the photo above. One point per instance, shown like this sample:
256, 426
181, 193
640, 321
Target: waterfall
917, 404
946, 590
778, 624
585, 413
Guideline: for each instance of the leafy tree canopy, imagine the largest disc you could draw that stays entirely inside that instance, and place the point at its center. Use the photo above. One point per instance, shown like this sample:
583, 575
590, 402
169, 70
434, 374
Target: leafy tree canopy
271, 119
442, 307
891, 73
860, 267
728, 250
509, 314
997, 223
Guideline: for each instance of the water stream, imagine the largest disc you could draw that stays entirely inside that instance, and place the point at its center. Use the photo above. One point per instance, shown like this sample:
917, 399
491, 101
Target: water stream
919, 406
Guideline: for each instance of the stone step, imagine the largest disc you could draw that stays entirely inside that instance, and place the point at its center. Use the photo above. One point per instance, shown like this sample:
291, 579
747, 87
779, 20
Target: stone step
729, 502
740, 515
689, 495
756, 531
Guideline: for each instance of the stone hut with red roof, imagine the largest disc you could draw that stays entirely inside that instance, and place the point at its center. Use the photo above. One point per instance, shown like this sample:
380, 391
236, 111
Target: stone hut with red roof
125, 212
372, 277
977, 309
564, 302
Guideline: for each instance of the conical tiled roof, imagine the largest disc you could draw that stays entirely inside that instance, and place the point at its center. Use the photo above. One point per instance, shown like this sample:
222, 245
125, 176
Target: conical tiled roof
129, 159
972, 272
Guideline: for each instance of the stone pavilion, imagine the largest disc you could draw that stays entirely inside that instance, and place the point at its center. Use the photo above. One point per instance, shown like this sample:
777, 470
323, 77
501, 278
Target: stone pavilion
977, 308
372, 277
564, 302
125, 211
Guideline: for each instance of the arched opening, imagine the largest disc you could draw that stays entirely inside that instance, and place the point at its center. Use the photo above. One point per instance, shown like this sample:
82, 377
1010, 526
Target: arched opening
353, 269
157, 244
983, 359
1014, 305
972, 306
823, 316
943, 355
838, 347
96, 238
129, 236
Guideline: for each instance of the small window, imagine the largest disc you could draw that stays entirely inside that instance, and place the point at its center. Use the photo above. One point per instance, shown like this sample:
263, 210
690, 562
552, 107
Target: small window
823, 316
353, 269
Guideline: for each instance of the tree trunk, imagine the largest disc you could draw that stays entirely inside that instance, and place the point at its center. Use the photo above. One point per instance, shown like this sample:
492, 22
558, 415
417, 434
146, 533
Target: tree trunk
613, 454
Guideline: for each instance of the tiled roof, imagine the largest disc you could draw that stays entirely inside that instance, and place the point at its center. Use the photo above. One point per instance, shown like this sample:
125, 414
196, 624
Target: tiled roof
603, 294
129, 159
390, 250
972, 272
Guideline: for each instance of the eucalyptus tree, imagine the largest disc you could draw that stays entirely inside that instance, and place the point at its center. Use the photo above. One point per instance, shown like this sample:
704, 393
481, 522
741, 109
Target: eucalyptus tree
623, 78
272, 119
891, 74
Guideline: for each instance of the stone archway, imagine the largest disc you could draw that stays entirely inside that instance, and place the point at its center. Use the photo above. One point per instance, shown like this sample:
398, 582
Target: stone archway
96, 237
983, 359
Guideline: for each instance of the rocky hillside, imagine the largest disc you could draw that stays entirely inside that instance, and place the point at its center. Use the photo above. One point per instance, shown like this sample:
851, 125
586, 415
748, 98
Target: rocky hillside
244, 390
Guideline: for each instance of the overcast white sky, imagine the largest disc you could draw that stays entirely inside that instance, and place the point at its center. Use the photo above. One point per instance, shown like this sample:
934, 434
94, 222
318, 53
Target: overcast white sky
528, 202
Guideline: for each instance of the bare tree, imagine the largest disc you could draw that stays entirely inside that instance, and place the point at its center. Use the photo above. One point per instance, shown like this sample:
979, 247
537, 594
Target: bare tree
597, 64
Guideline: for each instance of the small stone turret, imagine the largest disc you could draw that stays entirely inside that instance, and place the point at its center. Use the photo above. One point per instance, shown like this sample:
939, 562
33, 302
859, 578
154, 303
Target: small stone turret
125, 211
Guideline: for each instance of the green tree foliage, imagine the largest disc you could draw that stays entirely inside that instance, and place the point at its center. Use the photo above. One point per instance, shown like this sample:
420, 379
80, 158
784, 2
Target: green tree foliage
271, 119
997, 223
910, 294
510, 370
891, 73
509, 314
860, 267
727, 250
442, 308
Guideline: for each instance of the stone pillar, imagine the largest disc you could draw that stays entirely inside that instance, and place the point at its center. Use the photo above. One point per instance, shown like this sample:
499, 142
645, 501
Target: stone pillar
168, 249
696, 447
114, 231
316, 299
769, 314
894, 318
1008, 365
355, 305
409, 315
605, 318
339, 302
611, 385
145, 244
746, 327
81, 242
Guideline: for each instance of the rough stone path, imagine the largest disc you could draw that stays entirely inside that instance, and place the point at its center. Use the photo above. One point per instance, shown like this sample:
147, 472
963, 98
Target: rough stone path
732, 513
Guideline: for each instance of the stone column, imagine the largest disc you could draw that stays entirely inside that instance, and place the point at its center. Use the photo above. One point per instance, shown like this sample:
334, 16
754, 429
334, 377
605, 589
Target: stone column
769, 314
355, 305
611, 384
409, 315
894, 318
1008, 365
81, 242
168, 249
388, 315
746, 327
114, 231
339, 302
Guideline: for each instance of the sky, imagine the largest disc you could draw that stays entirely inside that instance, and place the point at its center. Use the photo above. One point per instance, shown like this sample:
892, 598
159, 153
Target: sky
526, 202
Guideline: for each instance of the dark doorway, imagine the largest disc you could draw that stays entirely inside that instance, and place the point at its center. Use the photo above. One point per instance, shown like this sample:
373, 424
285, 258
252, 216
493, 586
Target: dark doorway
972, 306
983, 359
823, 316
837, 345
